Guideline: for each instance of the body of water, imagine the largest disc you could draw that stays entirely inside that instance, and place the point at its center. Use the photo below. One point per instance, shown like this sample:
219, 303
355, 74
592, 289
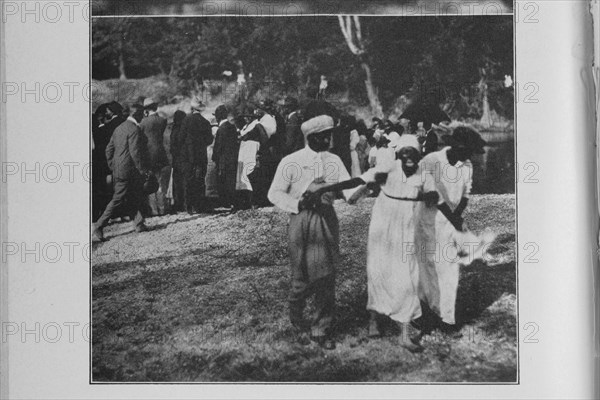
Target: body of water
494, 171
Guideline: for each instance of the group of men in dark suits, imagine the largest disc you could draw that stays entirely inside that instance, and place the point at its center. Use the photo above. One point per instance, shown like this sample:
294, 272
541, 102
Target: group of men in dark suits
129, 151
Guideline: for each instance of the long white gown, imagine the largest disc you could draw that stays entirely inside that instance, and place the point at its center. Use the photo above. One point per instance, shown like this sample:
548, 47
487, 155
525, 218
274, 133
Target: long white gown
354, 140
392, 267
436, 237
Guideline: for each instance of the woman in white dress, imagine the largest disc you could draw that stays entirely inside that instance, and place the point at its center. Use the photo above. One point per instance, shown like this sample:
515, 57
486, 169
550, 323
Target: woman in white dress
439, 229
392, 266
354, 141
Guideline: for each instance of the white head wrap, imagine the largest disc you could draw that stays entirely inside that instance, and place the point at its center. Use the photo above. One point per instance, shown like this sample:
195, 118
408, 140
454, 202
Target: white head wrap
408, 141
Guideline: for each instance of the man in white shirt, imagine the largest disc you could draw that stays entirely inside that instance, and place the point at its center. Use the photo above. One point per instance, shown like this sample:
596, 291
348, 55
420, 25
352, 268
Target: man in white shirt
314, 229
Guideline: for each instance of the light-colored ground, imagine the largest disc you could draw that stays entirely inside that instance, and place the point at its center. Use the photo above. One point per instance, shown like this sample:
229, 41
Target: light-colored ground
203, 298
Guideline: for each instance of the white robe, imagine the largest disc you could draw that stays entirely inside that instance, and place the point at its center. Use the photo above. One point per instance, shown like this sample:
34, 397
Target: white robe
354, 140
246, 163
392, 266
436, 238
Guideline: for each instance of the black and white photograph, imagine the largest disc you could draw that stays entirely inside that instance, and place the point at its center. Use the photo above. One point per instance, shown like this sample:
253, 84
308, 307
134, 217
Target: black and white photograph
307, 7
303, 199
321, 199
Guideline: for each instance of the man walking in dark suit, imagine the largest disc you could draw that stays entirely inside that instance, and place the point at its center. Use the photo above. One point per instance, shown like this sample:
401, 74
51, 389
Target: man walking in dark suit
195, 136
225, 156
153, 126
111, 118
126, 154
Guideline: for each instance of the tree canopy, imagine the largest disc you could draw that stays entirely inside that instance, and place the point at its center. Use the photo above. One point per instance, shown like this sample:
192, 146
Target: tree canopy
445, 60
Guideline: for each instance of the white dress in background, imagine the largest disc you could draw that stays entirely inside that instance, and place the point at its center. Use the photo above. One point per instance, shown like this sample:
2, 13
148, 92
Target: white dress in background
436, 237
354, 140
211, 178
246, 163
392, 267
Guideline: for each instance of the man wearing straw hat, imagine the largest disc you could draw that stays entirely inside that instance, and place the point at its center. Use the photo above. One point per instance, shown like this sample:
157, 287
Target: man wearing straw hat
313, 227
195, 136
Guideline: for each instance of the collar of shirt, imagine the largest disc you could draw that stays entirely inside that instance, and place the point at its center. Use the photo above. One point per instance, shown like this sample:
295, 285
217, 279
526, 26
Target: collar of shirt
222, 122
151, 113
133, 120
313, 155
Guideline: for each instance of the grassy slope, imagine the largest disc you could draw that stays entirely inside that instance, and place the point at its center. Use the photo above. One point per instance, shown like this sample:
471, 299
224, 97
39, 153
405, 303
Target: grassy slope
203, 299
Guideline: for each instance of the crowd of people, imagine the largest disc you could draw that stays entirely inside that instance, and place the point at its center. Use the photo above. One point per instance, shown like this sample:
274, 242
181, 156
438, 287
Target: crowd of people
301, 160
228, 162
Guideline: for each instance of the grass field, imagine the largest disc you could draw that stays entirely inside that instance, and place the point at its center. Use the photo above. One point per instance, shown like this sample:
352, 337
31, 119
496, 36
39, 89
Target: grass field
203, 298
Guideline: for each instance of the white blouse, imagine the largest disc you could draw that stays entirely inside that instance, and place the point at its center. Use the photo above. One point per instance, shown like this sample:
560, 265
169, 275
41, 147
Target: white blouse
452, 182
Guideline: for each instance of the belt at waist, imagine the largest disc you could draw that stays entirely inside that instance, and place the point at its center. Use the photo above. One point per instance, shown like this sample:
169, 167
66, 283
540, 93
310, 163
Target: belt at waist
418, 198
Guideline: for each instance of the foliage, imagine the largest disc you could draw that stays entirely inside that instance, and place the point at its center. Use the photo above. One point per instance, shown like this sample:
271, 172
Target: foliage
443, 59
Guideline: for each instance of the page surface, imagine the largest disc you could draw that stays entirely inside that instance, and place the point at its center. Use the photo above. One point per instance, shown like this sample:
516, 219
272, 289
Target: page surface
51, 274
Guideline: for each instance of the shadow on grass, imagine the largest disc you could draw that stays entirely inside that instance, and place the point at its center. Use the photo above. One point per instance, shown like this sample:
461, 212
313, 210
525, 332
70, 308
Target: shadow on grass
480, 286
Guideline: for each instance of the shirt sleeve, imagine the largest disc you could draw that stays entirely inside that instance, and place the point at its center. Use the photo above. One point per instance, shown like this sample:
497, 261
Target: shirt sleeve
110, 152
279, 191
137, 148
385, 164
344, 176
354, 139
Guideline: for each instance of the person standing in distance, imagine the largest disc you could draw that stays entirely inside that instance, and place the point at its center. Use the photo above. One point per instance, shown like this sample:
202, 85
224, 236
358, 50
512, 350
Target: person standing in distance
195, 137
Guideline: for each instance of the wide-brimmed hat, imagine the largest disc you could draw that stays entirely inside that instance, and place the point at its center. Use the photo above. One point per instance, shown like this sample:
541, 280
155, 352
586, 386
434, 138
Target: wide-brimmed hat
149, 101
115, 107
318, 124
466, 138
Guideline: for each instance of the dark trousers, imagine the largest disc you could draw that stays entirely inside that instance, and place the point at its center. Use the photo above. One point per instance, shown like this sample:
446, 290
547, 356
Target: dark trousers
243, 199
128, 193
194, 186
324, 291
157, 202
261, 179
227, 175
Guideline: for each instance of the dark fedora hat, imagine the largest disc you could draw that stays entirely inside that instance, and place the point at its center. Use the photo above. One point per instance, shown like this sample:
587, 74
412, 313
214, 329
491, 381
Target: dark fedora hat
466, 138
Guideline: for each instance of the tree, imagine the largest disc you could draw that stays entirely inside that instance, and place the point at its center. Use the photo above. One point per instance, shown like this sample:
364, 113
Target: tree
110, 39
352, 32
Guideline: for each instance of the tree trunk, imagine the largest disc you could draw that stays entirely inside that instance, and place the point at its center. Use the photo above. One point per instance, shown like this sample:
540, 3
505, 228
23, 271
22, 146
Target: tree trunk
122, 75
350, 26
123, 31
372, 92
